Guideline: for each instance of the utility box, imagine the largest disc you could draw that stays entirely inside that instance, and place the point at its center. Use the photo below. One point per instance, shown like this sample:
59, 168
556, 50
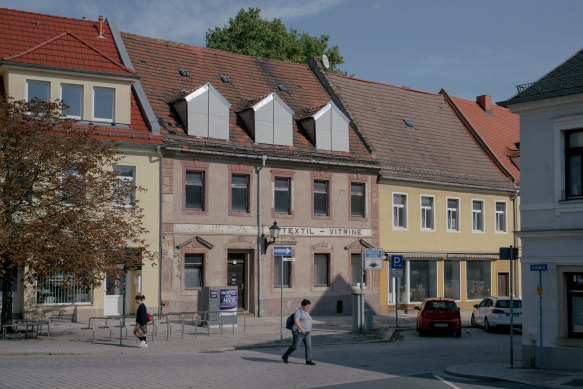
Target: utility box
219, 301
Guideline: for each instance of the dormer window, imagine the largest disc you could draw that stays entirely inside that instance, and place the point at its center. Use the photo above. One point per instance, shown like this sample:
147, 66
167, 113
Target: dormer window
39, 90
328, 128
205, 113
72, 96
103, 104
270, 121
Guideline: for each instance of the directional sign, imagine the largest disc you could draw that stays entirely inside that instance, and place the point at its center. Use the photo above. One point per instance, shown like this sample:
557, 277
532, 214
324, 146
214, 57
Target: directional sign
539, 267
373, 264
396, 262
285, 251
373, 254
397, 272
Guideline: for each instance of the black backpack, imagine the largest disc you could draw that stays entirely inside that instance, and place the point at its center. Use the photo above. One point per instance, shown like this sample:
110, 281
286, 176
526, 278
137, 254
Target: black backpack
289, 323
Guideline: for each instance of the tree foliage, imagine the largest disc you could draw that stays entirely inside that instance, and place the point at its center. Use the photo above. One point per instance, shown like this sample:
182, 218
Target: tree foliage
248, 34
60, 202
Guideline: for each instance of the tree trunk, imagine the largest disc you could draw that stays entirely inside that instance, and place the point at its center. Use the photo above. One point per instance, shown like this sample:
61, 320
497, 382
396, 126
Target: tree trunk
7, 281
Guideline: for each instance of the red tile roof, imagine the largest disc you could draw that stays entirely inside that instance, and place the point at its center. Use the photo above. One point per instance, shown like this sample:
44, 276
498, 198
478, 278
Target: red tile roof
437, 149
158, 61
500, 130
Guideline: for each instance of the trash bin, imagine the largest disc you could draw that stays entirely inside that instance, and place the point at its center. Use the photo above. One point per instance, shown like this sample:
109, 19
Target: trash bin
368, 321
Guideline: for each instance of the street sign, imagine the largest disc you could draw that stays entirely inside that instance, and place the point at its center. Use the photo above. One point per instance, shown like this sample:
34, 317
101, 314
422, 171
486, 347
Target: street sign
288, 259
505, 252
397, 272
285, 251
396, 262
373, 264
539, 267
373, 254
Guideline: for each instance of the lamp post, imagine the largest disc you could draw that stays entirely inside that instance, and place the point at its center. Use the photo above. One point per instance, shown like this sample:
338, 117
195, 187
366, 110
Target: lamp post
274, 233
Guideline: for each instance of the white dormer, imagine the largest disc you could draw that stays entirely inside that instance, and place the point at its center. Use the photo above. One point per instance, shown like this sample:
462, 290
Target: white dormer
270, 121
205, 113
328, 128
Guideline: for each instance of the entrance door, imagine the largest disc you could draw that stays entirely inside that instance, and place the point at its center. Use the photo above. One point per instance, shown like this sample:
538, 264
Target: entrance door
503, 284
113, 304
236, 275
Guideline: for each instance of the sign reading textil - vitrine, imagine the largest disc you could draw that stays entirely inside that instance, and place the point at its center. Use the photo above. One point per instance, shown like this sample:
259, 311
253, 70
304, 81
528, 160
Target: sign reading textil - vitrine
228, 299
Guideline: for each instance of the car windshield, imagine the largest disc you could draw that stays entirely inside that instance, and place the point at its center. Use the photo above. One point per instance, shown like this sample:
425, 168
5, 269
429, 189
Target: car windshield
440, 306
506, 304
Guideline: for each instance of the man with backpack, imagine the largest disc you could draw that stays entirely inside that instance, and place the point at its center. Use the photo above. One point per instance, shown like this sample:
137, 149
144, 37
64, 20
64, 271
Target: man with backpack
301, 332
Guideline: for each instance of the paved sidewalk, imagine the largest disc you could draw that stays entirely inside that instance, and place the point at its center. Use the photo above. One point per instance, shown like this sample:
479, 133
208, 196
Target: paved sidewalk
69, 338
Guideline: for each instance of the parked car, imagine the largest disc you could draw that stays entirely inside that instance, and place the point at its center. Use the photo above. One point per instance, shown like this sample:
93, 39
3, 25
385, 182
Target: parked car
495, 311
439, 315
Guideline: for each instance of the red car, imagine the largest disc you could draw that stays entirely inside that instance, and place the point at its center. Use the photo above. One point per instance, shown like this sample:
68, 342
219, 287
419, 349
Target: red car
439, 315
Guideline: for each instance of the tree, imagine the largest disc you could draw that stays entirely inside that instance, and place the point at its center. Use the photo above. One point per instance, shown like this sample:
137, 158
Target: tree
248, 34
61, 204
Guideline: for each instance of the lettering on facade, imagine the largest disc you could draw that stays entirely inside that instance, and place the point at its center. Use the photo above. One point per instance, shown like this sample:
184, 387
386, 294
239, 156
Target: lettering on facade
290, 231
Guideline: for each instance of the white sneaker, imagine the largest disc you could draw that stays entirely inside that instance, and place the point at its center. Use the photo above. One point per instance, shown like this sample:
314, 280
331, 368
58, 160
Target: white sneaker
145, 345
142, 344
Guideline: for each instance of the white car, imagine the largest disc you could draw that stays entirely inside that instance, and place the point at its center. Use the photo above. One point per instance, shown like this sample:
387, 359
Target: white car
495, 311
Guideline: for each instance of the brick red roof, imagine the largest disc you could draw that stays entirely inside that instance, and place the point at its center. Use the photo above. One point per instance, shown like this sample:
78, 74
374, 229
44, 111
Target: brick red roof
437, 149
65, 43
500, 130
158, 61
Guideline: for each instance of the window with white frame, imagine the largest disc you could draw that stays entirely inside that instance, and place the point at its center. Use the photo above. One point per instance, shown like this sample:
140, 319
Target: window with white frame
477, 216
573, 162
321, 269
103, 104
193, 271
277, 272
126, 175
72, 96
451, 279
427, 213
59, 288
38, 89
453, 214
500, 216
399, 211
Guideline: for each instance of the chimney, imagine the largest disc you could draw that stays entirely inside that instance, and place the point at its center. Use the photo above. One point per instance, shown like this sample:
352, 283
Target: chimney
101, 27
485, 102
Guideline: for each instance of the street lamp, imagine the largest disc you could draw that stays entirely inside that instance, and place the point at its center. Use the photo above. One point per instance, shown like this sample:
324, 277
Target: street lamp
274, 233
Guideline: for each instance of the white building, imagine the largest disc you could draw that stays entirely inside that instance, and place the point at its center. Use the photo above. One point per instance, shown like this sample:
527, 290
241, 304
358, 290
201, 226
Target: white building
551, 137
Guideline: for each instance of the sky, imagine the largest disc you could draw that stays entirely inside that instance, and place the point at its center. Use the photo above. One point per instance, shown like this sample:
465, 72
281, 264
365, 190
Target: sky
467, 47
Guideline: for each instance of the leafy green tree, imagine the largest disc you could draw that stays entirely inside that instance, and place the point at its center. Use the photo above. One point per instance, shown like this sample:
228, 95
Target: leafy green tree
248, 34
64, 213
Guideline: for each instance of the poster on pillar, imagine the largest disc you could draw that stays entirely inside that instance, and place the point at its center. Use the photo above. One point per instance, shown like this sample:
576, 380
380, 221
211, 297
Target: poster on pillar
228, 299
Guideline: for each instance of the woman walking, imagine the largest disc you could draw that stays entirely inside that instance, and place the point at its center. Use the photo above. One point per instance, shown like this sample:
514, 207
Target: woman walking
301, 332
141, 321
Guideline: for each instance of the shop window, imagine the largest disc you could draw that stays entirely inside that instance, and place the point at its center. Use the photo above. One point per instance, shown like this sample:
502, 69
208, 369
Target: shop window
321, 269
422, 280
479, 279
59, 289
451, 279
193, 271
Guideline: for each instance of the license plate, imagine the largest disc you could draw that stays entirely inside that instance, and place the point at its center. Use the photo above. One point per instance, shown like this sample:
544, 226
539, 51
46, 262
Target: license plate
444, 325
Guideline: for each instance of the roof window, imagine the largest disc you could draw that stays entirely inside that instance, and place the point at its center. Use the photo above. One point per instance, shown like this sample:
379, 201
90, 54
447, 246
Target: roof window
282, 88
225, 79
183, 73
408, 122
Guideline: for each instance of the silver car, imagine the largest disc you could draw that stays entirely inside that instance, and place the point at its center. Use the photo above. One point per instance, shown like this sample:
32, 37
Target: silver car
495, 311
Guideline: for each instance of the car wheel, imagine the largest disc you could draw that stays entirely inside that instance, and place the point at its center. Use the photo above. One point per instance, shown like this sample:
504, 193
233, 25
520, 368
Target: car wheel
473, 320
486, 325
421, 332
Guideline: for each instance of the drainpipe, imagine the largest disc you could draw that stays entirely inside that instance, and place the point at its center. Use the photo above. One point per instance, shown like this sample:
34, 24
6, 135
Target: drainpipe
259, 233
515, 203
160, 157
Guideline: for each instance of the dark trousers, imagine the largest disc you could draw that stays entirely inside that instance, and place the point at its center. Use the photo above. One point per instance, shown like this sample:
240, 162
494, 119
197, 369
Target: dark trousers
299, 337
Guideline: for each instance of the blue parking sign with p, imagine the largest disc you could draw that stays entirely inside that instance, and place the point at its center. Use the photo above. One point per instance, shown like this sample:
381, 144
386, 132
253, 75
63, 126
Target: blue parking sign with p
396, 261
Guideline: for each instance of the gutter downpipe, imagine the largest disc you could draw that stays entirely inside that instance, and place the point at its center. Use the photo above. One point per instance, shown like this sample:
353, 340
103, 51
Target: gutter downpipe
259, 242
160, 157
515, 201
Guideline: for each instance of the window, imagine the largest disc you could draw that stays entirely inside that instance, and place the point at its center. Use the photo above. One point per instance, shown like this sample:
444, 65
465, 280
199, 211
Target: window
500, 217
321, 196
573, 158
127, 175
477, 216
103, 104
422, 280
60, 289
277, 263
38, 89
72, 96
357, 199
451, 279
321, 269
194, 193
427, 213
575, 304
453, 214
479, 279
399, 211
356, 269
282, 195
240, 192
193, 271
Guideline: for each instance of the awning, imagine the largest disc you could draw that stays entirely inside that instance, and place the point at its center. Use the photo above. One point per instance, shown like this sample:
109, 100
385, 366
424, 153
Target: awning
412, 255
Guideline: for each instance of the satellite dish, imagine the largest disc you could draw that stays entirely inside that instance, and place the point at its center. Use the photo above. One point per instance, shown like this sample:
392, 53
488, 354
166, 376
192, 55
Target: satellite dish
325, 61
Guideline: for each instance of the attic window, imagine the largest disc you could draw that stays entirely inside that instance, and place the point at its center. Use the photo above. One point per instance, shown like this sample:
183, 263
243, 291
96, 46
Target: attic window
183, 73
225, 79
281, 87
408, 123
